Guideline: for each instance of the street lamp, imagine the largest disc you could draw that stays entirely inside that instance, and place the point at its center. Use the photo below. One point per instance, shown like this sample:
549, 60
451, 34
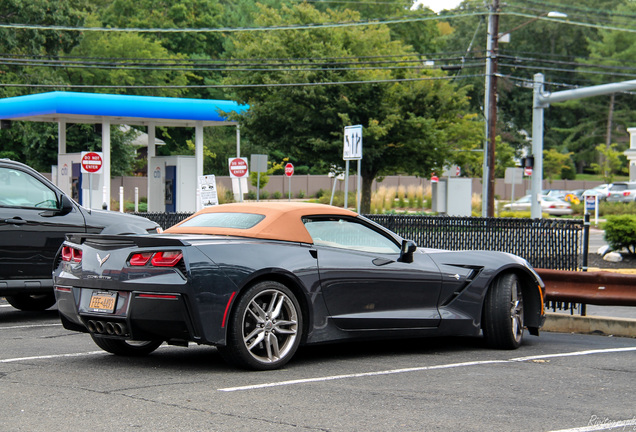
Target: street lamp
490, 102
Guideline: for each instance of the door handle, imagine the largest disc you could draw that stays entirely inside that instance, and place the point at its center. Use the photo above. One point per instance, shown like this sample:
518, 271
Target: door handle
15, 221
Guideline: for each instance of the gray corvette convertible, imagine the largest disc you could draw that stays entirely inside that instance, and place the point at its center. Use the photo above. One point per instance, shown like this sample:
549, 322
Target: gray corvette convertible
257, 280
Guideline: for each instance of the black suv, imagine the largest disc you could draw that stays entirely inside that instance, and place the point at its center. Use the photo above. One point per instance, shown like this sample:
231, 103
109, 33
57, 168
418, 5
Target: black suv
35, 216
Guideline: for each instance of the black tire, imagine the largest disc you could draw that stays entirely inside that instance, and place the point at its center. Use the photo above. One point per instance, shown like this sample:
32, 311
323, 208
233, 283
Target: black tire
264, 329
502, 321
125, 347
31, 302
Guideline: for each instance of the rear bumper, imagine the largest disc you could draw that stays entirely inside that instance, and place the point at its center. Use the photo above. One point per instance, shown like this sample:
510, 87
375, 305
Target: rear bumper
137, 315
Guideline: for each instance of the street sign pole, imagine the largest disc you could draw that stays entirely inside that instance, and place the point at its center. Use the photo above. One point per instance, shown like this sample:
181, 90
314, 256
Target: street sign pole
352, 150
346, 201
289, 172
91, 163
359, 194
238, 170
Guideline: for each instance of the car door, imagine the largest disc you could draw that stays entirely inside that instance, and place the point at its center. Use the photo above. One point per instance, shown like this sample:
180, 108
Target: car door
364, 284
31, 227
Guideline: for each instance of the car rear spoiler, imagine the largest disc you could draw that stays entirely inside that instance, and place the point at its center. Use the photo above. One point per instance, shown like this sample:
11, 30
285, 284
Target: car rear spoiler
125, 240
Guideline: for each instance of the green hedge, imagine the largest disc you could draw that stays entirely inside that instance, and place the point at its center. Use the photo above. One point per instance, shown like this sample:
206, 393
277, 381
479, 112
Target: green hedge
620, 232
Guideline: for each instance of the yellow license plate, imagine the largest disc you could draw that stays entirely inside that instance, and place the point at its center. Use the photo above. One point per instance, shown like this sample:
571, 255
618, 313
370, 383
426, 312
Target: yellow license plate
103, 302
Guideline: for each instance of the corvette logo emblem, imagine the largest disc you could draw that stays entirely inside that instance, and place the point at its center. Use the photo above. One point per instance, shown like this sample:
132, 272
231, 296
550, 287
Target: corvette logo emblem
102, 260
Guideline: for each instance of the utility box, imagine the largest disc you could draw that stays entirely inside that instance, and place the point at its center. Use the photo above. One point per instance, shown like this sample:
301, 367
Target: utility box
452, 196
172, 184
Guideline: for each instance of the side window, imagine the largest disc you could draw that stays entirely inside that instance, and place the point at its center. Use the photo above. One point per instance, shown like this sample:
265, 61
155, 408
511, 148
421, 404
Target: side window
19, 189
348, 234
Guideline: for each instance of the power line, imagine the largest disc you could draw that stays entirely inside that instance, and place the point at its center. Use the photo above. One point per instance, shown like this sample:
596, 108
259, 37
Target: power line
204, 86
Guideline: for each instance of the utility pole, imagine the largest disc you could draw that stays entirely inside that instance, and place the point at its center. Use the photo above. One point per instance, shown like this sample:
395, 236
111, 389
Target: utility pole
493, 35
490, 113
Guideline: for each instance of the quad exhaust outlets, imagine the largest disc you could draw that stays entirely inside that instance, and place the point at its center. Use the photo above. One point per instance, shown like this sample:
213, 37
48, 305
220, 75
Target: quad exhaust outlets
107, 327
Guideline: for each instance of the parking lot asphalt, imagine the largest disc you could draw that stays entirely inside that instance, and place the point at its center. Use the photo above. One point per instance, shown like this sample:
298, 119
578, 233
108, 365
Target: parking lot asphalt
53, 379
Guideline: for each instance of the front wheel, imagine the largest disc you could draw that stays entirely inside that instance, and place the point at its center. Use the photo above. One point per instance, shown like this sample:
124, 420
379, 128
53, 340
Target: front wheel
265, 328
502, 321
125, 347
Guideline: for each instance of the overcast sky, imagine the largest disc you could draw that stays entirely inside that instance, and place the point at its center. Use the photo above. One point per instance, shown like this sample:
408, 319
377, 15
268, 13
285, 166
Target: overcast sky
438, 5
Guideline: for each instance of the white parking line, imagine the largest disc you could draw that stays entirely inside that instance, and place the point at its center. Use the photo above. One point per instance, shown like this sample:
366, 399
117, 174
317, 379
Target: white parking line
603, 424
12, 360
30, 326
422, 368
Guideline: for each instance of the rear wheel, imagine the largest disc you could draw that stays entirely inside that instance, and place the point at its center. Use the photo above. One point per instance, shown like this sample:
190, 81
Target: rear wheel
265, 328
503, 322
31, 302
125, 347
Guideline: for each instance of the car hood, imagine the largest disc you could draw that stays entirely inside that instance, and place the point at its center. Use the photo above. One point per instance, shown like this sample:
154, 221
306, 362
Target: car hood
111, 222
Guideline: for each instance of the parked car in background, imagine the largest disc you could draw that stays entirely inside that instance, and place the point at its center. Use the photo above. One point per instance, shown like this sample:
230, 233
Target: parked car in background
556, 193
35, 215
550, 205
622, 192
601, 191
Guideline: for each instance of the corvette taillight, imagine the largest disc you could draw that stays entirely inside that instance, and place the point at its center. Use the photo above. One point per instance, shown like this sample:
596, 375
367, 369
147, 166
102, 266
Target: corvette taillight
140, 259
71, 254
166, 259
157, 259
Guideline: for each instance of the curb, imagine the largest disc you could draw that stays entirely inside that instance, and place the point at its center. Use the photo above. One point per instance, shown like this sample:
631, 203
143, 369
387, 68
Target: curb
564, 323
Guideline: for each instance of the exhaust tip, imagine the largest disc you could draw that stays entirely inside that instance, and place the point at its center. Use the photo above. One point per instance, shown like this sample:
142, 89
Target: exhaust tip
99, 327
90, 325
120, 329
110, 328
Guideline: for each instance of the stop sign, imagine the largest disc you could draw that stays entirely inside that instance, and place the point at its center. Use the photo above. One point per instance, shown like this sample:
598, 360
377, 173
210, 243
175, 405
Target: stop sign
91, 162
238, 167
289, 170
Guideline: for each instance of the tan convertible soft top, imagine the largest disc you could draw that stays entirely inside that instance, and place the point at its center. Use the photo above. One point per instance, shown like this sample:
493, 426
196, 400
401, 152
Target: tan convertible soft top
283, 220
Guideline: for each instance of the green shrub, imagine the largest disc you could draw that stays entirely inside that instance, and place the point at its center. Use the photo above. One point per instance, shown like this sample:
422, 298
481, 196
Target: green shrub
277, 195
301, 194
338, 199
129, 206
620, 232
519, 214
617, 208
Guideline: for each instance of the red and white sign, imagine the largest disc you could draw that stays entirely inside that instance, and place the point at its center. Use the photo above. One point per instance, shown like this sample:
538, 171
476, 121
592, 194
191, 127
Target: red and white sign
92, 162
434, 178
527, 171
289, 170
238, 167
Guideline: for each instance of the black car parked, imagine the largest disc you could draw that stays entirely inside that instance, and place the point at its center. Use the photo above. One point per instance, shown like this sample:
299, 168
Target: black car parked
35, 216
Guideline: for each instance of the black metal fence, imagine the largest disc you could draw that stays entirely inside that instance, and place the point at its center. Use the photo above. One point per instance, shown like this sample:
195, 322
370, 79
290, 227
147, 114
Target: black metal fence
546, 243
558, 244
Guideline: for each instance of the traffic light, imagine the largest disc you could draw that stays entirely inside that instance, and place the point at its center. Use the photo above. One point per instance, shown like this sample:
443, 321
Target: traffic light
527, 162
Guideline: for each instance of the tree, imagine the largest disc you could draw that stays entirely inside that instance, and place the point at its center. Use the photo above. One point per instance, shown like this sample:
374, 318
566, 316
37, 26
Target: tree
411, 126
554, 163
171, 14
609, 163
123, 48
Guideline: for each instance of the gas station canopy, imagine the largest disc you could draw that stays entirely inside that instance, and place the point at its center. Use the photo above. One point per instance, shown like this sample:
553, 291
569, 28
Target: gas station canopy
107, 109
73, 107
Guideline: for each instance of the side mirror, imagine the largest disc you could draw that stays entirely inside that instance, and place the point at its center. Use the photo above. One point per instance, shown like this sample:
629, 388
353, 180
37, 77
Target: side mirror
408, 249
66, 205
